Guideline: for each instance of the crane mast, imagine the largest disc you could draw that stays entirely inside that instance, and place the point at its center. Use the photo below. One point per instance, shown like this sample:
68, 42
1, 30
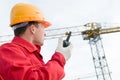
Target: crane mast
97, 50
93, 35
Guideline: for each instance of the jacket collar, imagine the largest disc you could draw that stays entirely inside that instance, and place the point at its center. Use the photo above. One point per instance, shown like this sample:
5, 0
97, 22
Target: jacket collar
30, 47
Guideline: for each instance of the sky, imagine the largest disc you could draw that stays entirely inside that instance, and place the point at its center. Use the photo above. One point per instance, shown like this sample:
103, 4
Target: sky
67, 13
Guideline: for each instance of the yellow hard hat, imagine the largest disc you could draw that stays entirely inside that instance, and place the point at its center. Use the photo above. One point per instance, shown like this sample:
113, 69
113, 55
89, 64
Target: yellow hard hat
23, 12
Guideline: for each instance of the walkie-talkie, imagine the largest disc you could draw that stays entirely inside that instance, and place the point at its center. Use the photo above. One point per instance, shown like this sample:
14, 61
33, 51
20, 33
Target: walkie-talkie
66, 42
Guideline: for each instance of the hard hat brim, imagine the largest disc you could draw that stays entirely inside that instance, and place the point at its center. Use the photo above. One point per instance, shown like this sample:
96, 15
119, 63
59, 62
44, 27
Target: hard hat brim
46, 24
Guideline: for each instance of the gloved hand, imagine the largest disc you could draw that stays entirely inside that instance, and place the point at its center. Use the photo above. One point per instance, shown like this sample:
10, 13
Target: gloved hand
65, 51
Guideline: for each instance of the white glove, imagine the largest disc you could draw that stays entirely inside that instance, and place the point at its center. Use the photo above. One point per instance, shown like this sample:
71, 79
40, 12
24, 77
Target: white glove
65, 51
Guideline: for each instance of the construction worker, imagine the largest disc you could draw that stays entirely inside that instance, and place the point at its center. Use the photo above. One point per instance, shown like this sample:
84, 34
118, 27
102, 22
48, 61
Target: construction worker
21, 59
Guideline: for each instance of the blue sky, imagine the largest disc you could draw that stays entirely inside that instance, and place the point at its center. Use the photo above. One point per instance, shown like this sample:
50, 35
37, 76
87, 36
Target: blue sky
66, 13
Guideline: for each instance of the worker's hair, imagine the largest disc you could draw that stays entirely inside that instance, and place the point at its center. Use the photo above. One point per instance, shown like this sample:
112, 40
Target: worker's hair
21, 30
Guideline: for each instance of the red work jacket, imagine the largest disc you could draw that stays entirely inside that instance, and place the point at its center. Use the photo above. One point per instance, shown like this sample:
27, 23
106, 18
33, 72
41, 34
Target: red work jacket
20, 60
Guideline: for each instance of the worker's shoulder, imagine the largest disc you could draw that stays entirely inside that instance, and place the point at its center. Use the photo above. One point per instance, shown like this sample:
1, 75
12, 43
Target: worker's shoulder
8, 45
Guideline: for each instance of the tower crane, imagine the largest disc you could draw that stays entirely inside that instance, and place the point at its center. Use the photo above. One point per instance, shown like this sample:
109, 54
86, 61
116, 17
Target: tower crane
91, 33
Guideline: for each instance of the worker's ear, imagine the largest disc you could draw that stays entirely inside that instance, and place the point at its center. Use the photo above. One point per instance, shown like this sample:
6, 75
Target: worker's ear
32, 29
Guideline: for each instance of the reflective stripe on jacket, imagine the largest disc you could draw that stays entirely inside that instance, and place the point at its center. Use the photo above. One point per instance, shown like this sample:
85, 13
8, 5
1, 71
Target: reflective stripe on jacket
20, 60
